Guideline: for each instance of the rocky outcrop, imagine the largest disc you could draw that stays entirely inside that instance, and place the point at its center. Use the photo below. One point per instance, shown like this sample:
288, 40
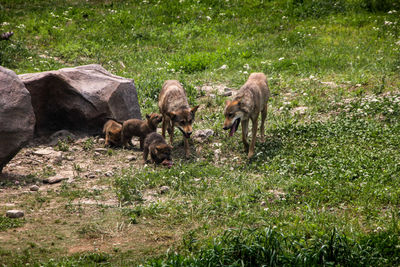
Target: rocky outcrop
17, 119
80, 99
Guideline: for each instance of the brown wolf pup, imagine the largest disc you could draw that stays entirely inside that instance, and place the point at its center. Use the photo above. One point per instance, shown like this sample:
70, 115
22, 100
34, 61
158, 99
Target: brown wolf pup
112, 130
175, 110
140, 128
248, 103
160, 151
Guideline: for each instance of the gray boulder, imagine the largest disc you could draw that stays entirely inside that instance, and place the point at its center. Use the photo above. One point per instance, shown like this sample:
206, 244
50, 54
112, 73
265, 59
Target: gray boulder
17, 120
80, 98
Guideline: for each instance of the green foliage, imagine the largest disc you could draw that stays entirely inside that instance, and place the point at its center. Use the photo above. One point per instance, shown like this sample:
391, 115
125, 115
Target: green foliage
88, 144
269, 247
7, 223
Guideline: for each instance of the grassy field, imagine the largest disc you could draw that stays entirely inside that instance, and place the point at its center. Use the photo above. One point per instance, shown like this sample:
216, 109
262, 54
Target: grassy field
324, 189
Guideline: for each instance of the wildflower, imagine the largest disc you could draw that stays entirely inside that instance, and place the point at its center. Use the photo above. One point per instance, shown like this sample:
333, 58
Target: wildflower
246, 66
5, 23
223, 67
388, 22
281, 58
208, 17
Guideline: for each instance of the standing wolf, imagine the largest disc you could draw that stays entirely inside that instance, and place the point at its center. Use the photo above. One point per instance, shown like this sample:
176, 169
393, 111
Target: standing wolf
175, 110
248, 103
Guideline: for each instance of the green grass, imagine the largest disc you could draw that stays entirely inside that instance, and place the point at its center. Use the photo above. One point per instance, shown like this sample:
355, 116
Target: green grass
322, 189
7, 223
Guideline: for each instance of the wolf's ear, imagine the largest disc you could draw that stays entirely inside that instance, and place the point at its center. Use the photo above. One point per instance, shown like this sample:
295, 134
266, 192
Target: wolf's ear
147, 116
227, 102
194, 109
172, 115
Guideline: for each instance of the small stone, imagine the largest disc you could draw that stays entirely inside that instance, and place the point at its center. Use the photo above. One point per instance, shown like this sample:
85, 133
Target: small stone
44, 151
16, 182
202, 135
217, 153
101, 150
15, 213
330, 84
34, 188
97, 154
109, 173
263, 203
69, 158
211, 95
299, 110
101, 141
207, 88
229, 93
64, 175
57, 159
131, 158
164, 189
91, 175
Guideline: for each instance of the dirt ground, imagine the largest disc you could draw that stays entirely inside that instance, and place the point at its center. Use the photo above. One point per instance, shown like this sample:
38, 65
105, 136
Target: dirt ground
80, 213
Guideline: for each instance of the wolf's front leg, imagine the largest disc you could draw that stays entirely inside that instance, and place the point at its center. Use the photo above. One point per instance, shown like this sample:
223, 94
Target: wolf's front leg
253, 137
186, 146
245, 129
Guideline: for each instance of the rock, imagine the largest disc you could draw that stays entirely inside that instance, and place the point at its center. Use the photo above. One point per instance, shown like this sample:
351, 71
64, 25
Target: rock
34, 188
101, 141
131, 158
69, 158
207, 88
80, 98
164, 189
17, 119
15, 213
217, 153
91, 175
202, 135
109, 173
63, 175
62, 135
100, 150
57, 158
44, 152
229, 93
330, 84
299, 110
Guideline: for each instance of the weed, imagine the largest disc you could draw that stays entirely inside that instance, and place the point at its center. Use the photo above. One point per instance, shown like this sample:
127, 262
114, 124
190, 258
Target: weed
88, 144
7, 223
62, 145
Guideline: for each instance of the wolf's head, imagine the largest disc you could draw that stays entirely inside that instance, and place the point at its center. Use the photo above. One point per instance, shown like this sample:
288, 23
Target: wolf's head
183, 119
161, 154
153, 119
233, 114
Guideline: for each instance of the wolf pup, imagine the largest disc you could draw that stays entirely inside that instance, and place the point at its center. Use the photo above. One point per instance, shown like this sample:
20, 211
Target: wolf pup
140, 128
112, 130
175, 110
160, 151
249, 101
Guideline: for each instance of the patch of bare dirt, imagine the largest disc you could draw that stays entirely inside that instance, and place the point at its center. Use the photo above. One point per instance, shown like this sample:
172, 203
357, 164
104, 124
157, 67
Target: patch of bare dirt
81, 213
